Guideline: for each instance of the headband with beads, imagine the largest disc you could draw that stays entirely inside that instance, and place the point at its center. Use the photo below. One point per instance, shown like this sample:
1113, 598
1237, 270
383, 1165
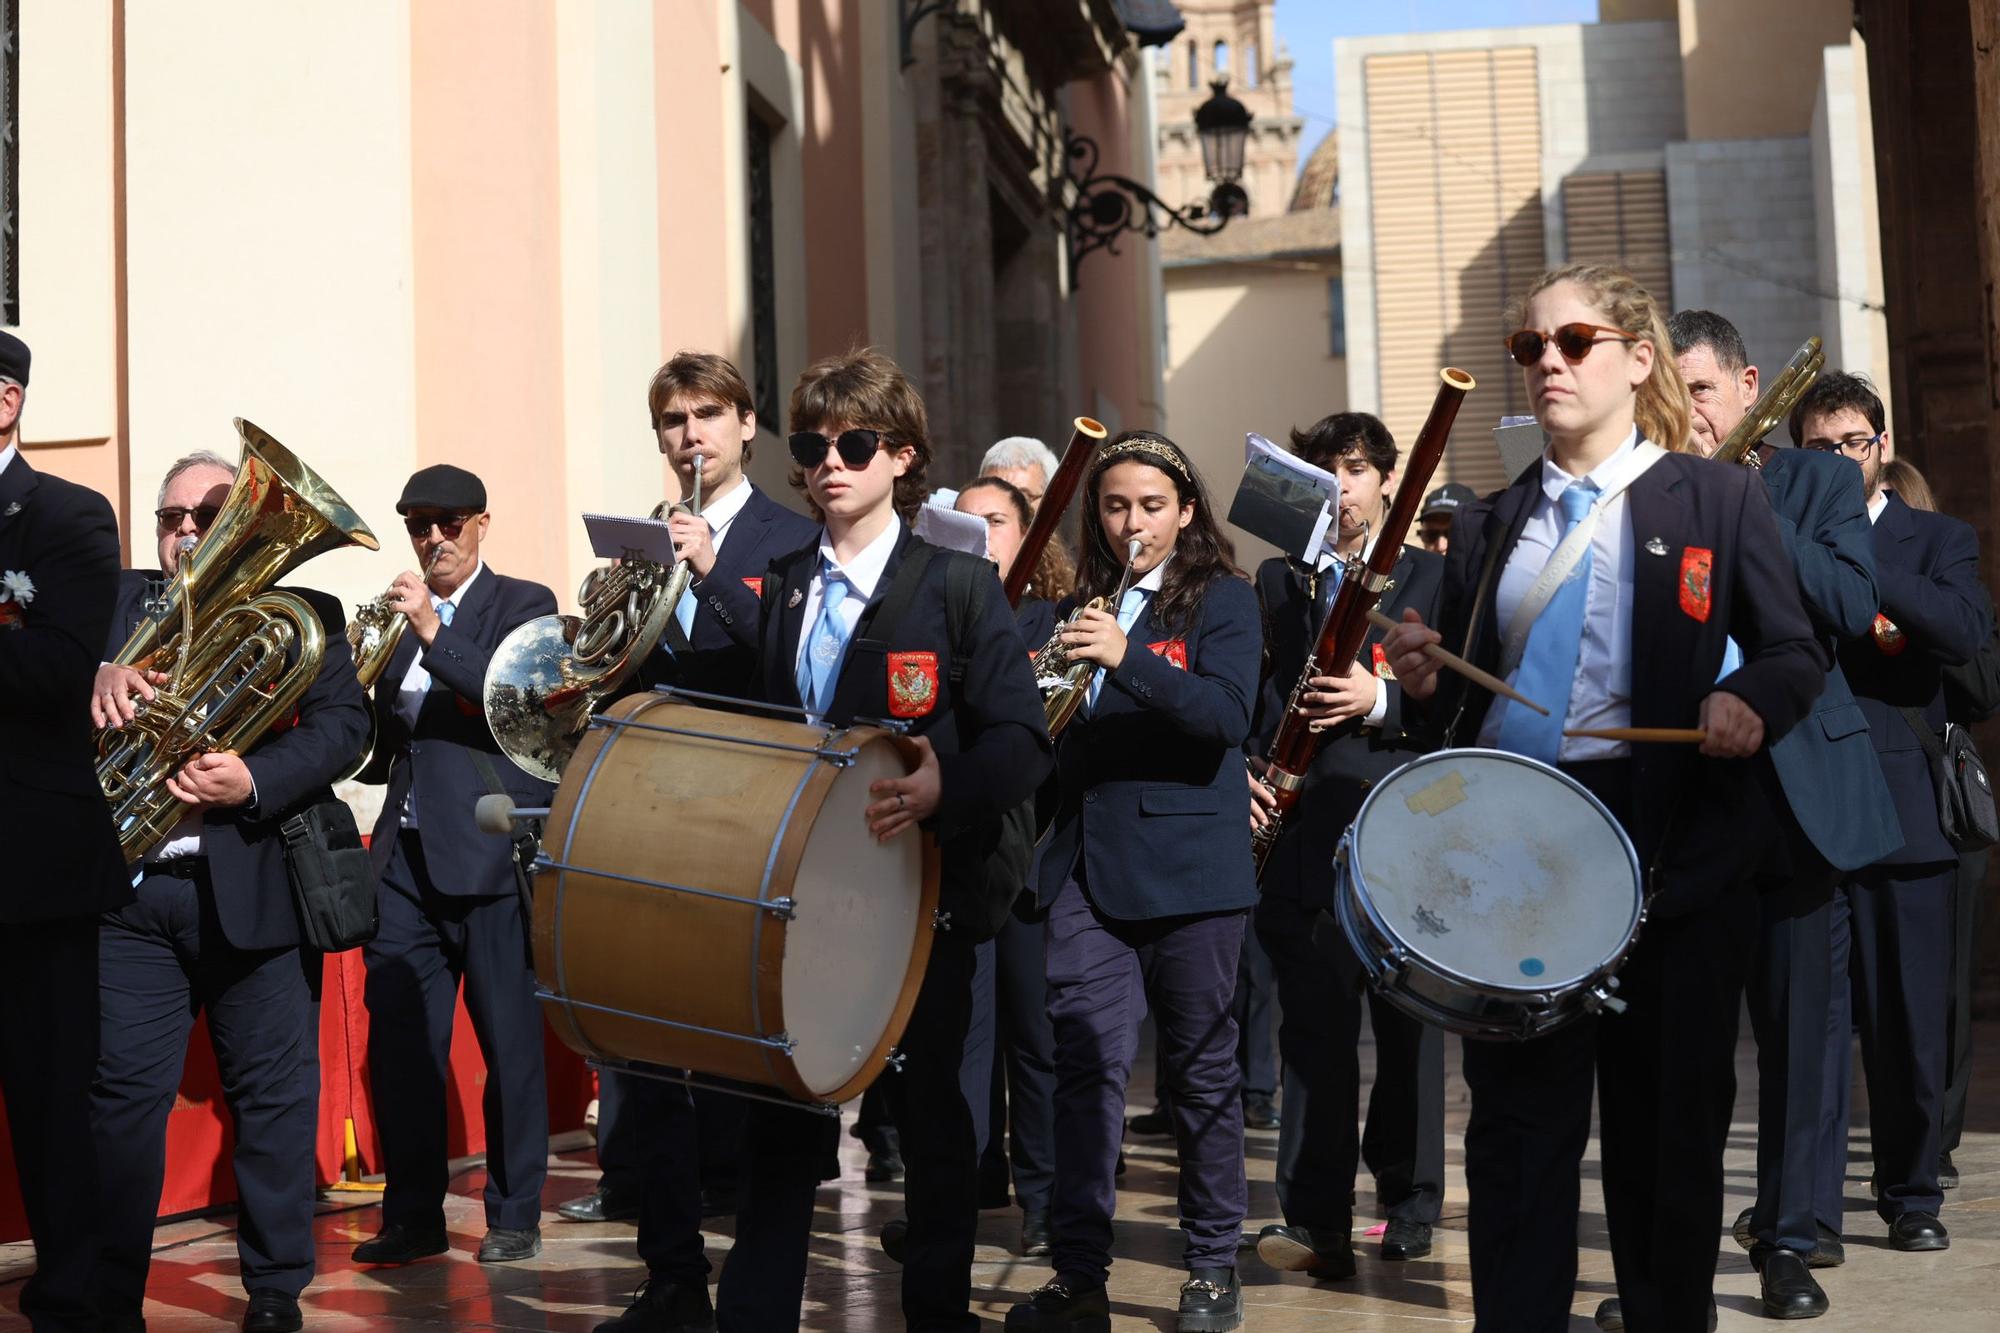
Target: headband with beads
1153, 450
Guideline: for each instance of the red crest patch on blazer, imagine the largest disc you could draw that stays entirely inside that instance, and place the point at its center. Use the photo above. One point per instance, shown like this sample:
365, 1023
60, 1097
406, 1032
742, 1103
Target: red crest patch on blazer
1889, 636
1174, 650
1697, 567
913, 684
756, 587
469, 707
1382, 664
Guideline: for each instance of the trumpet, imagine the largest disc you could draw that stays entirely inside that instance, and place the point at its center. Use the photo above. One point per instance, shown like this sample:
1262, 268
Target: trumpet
548, 676
377, 629
1064, 682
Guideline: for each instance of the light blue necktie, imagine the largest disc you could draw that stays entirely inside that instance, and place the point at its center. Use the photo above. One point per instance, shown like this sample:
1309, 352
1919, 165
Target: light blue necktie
1548, 664
819, 666
1732, 658
446, 610
1129, 607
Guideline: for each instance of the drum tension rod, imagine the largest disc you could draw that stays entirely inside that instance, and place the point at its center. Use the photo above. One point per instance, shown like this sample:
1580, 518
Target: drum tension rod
784, 908
781, 1043
690, 1079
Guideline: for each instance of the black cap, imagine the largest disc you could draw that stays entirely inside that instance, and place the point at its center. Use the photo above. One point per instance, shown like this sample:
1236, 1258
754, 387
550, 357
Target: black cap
1446, 499
442, 486
14, 357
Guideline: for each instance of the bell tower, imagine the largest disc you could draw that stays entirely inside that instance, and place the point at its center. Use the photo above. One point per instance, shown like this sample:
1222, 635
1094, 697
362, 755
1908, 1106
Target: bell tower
1232, 39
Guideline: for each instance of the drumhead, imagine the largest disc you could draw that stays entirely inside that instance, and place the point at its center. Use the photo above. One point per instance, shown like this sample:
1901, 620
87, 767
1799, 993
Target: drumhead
847, 952
1498, 869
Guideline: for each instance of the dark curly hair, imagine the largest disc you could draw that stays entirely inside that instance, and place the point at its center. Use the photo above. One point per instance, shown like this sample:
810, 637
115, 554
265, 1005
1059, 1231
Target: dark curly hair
1331, 439
1836, 391
1201, 552
863, 388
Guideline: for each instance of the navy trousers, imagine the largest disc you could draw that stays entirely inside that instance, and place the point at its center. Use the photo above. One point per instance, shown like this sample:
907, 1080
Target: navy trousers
1022, 1103
161, 960
1901, 934
1837, 1073
1256, 990
1319, 1147
427, 943
1968, 910
48, 1057
625, 1135
1103, 973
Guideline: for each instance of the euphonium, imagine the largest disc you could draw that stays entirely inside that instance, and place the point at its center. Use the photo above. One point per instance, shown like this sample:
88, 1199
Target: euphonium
236, 655
1773, 406
1065, 683
549, 675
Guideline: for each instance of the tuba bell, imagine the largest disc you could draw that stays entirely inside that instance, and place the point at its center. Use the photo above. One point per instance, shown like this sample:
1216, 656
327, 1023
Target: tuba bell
549, 676
223, 638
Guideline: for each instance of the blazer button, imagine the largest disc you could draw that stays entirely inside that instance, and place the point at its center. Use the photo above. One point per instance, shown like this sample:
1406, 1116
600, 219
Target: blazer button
1090, 796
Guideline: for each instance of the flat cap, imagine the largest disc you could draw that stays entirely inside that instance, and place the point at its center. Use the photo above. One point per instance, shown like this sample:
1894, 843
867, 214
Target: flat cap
1446, 499
442, 486
14, 359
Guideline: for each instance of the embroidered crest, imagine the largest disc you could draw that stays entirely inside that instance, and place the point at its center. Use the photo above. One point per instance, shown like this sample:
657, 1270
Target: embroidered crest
913, 684
468, 707
756, 587
1889, 636
1382, 670
1174, 650
1697, 565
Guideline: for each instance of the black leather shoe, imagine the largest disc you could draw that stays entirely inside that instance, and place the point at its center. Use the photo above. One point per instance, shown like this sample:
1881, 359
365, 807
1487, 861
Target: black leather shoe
896, 1237
1119, 1170
1406, 1240
272, 1312
600, 1205
1947, 1173
884, 1164
1789, 1289
1211, 1302
505, 1245
1325, 1255
1151, 1124
399, 1244
1918, 1231
1610, 1316
1829, 1252
1034, 1234
1259, 1113
1063, 1307
665, 1307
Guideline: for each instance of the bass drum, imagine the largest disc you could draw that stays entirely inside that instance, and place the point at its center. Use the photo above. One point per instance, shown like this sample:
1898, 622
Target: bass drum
710, 899
1488, 894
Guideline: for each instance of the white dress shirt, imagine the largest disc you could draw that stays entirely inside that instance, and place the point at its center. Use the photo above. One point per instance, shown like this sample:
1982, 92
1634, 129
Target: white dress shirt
8, 455
417, 683
722, 512
1601, 694
863, 574
1877, 505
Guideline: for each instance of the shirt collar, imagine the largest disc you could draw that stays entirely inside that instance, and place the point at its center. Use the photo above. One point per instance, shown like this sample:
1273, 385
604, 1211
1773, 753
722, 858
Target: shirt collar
7, 457
1877, 505
1555, 481
458, 593
1156, 577
865, 570
721, 512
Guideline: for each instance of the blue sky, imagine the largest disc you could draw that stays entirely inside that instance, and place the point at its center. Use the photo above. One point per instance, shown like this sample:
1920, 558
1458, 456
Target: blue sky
1309, 27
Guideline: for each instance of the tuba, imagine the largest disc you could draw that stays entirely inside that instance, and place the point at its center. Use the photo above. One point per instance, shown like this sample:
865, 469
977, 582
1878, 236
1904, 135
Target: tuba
1773, 405
548, 676
237, 655
1064, 683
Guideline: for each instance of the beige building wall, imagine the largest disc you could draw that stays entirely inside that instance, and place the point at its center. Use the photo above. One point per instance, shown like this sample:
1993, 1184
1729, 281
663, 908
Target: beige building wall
1749, 69
1852, 319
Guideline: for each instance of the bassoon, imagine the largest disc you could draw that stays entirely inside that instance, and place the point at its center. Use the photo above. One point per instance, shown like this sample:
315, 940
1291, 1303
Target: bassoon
1346, 626
1083, 442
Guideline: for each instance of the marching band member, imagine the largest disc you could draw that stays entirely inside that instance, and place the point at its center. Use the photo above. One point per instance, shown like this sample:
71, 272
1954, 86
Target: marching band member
703, 417
214, 930
1148, 876
865, 622
1680, 555
450, 907
58, 588
1320, 995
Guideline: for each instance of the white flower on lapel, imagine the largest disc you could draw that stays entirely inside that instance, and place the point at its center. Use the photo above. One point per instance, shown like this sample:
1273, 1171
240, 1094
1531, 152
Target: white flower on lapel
17, 586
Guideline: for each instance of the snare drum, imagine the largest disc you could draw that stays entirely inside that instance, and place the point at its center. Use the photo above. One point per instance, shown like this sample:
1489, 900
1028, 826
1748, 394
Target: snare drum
1488, 894
710, 899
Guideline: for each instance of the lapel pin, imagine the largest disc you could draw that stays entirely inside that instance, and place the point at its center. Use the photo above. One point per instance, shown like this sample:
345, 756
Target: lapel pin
798, 595
12, 510
1654, 546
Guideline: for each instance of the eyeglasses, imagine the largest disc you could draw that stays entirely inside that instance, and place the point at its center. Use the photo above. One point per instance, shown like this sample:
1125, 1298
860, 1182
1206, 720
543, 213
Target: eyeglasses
1851, 444
1574, 341
448, 527
857, 447
173, 516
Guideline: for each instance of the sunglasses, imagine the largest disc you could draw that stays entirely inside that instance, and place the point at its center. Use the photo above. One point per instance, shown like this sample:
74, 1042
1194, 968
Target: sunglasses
174, 515
448, 528
1574, 341
856, 447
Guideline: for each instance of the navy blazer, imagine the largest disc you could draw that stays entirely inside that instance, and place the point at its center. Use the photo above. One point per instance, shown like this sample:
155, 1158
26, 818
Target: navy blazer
63, 859
1352, 758
1681, 507
435, 758
1150, 785
1826, 765
291, 766
716, 663
1927, 566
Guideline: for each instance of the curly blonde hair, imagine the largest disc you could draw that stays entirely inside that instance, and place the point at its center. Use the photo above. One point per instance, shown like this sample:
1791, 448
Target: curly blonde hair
1664, 412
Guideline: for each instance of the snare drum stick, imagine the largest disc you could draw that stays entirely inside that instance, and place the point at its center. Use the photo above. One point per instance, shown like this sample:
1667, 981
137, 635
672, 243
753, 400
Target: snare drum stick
1463, 667
1643, 735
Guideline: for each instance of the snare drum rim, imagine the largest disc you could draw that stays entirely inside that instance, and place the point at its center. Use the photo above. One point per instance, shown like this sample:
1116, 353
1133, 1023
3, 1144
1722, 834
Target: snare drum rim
1355, 869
